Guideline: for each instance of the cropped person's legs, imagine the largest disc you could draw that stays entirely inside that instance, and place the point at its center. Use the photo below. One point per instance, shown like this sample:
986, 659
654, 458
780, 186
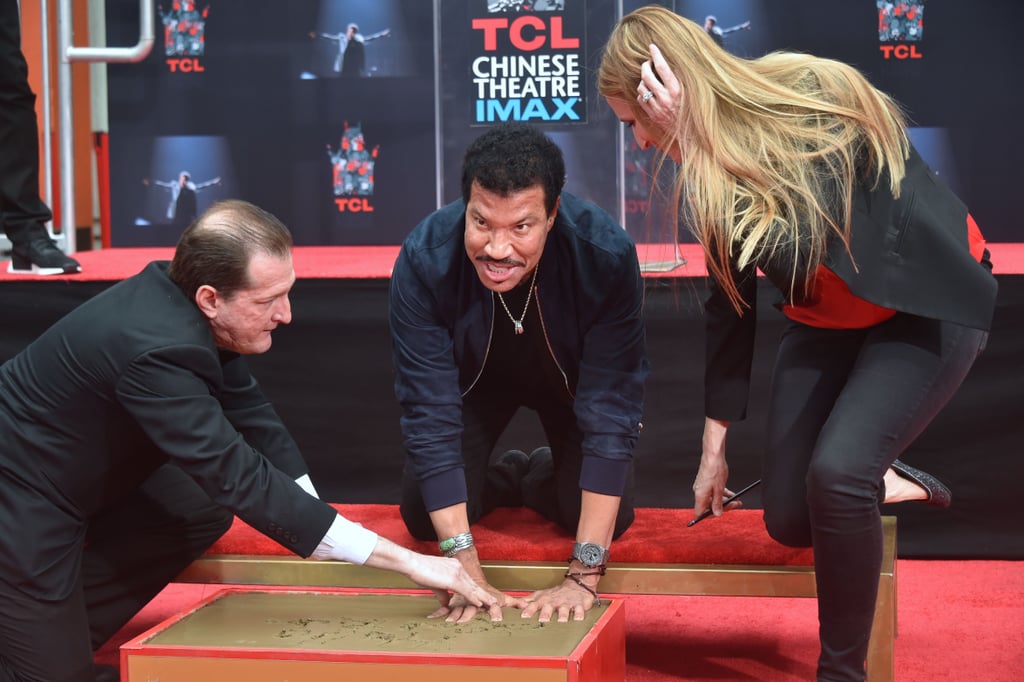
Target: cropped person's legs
20, 204
133, 550
22, 211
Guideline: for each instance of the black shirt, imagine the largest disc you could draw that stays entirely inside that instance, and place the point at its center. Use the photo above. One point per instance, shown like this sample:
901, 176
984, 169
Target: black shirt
522, 364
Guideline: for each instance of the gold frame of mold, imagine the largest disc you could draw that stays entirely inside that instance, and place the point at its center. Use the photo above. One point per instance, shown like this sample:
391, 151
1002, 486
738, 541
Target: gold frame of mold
268, 635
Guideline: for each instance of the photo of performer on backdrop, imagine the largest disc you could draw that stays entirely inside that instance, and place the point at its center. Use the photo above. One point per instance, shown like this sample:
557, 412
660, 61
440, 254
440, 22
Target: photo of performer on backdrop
183, 206
172, 180
718, 33
350, 39
351, 58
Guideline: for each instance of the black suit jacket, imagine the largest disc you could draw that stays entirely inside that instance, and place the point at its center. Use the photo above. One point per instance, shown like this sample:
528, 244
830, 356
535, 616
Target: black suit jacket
909, 254
129, 380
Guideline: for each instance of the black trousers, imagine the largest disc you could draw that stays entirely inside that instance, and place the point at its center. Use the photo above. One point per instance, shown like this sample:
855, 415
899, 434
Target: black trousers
132, 551
552, 489
20, 205
845, 404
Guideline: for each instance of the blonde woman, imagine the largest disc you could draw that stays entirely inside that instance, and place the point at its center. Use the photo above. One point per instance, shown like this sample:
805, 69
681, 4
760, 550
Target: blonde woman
797, 166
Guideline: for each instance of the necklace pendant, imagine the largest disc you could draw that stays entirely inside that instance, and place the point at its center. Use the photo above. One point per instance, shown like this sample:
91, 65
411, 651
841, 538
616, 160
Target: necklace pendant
519, 326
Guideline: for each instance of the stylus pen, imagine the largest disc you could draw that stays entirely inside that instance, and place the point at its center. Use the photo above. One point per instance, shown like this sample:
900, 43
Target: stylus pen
707, 512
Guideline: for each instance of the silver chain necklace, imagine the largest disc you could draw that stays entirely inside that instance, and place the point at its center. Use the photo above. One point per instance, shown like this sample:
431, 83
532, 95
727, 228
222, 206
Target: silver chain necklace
518, 324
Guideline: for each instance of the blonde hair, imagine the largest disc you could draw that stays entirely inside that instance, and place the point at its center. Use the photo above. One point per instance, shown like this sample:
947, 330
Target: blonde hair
771, 148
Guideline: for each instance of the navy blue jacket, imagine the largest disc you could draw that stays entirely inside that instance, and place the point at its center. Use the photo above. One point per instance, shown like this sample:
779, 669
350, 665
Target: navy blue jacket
590, 295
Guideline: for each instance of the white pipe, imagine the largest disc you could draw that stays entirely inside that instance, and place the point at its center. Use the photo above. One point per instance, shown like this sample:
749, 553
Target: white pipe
97, 97
66, 127
98, 71
136, 53
44, 45
69, 53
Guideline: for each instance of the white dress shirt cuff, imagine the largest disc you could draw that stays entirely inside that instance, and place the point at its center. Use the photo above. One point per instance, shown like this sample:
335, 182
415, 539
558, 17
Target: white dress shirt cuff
306, 483
346, 541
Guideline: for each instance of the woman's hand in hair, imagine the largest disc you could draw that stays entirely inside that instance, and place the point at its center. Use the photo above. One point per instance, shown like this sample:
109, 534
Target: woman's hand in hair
656, 78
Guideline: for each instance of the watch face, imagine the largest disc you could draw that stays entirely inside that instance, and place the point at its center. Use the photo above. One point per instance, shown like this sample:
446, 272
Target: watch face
590, 554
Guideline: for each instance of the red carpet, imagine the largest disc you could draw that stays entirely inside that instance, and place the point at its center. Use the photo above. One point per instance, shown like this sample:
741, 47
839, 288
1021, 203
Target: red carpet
312, 262
958, 620
507, 533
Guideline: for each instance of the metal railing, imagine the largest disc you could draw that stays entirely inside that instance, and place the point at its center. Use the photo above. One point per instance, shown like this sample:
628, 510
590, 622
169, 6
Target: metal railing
69, 53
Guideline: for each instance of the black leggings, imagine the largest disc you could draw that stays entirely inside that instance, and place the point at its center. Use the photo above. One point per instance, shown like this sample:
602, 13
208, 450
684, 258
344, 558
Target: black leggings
844, 404
553, 491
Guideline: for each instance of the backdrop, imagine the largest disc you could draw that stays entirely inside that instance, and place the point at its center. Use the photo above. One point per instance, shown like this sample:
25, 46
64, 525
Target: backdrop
352, 140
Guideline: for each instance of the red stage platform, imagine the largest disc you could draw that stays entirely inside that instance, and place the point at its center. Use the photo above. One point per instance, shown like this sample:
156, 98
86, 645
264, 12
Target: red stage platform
375, 262
342, 262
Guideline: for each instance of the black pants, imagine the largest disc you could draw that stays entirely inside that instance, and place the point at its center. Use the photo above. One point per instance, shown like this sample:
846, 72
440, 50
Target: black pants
844, 405
20, 205
132, 551
553, 491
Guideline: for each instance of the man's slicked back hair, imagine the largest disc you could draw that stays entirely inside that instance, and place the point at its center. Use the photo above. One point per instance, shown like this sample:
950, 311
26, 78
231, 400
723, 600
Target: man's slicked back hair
216, 249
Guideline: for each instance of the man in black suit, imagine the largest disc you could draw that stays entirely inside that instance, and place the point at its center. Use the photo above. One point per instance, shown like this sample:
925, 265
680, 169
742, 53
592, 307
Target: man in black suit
132, 431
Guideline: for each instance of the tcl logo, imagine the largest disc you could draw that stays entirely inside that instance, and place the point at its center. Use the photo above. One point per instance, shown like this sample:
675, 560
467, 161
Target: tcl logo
900, 52
185, 65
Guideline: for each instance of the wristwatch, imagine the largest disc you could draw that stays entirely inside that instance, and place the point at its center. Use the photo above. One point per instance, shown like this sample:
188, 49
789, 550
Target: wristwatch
590, 554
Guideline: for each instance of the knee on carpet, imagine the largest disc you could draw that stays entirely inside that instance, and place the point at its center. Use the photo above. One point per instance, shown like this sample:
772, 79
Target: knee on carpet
417, 522
791, 527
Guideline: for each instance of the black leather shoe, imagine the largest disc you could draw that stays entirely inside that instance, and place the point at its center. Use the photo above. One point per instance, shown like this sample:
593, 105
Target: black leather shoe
938, 494
515, 460
40, 256
540, 456
542, 465
504, 486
